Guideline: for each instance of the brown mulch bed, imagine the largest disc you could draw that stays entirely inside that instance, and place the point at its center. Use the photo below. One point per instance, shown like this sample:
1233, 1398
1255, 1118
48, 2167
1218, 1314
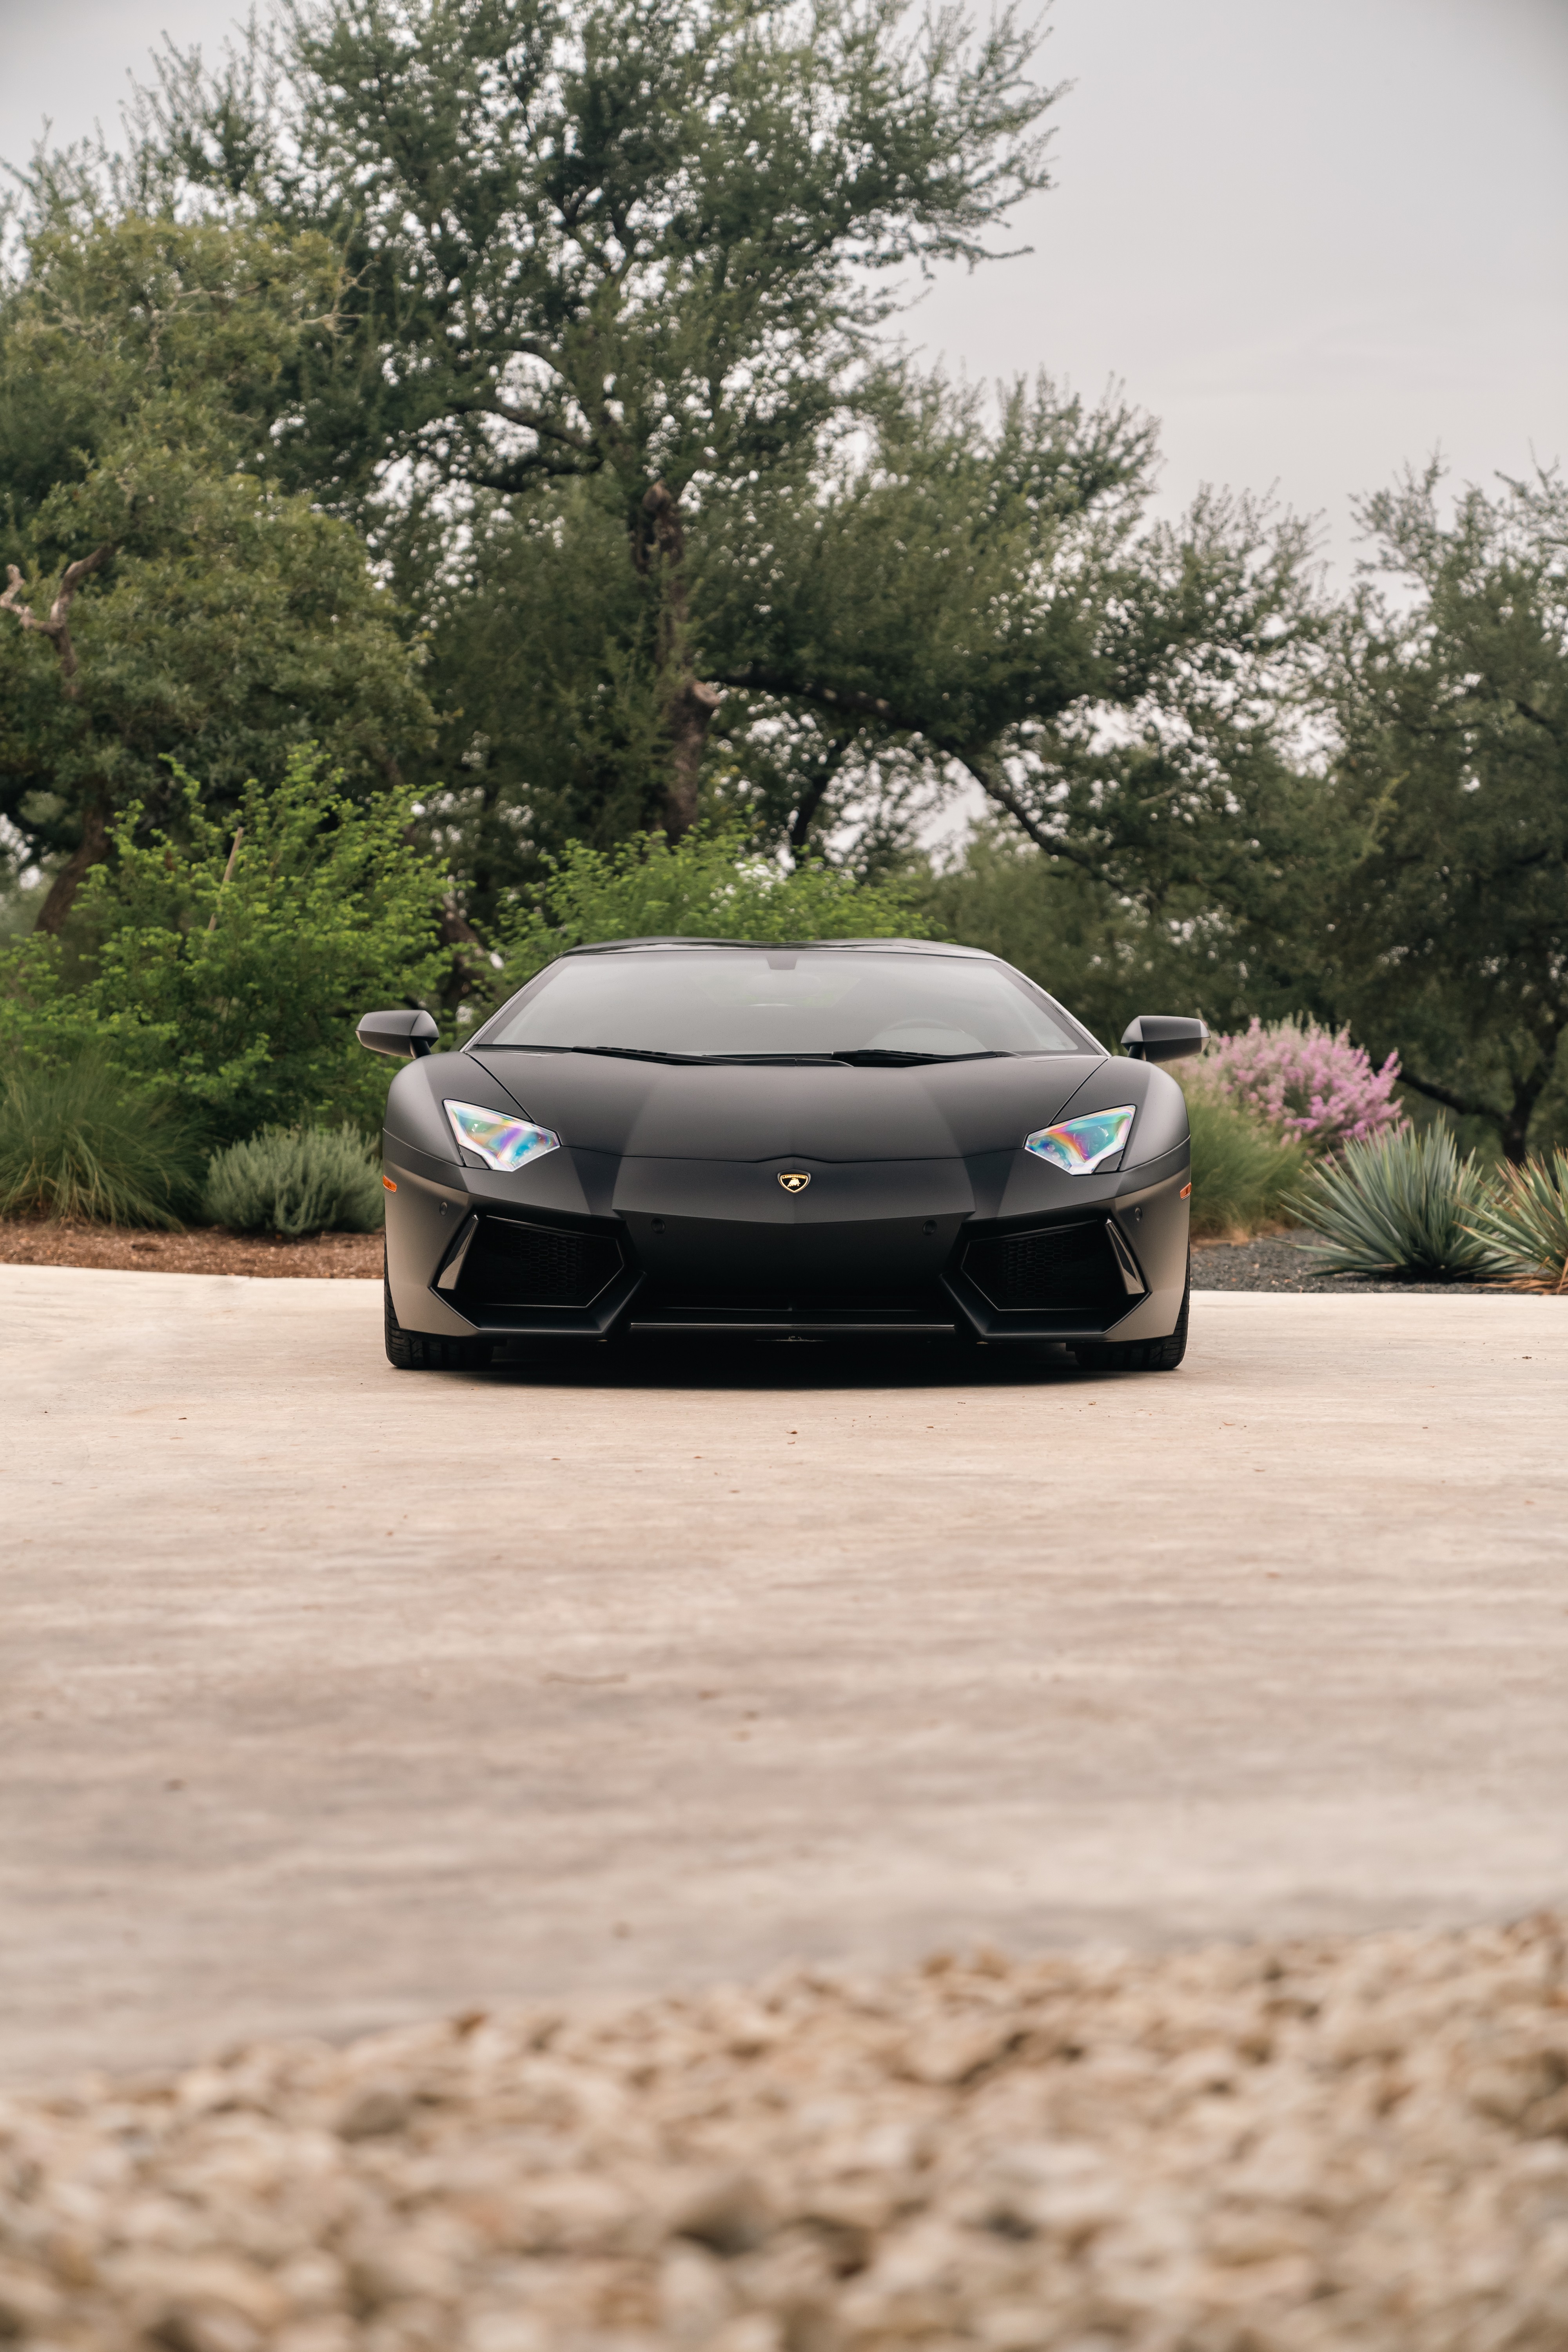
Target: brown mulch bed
1343, 2145
201, 1249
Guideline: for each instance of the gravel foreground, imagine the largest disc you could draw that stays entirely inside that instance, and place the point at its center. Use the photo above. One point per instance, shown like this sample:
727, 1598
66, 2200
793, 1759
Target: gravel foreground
1286, 1262
1324, 2147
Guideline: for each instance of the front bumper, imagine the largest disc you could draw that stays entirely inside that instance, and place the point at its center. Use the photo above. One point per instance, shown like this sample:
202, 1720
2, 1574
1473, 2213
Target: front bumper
583, 1245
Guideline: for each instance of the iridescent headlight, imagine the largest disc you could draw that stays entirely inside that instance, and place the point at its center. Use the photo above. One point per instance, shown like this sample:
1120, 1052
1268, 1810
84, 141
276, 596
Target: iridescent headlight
503, 1143
1080, 1145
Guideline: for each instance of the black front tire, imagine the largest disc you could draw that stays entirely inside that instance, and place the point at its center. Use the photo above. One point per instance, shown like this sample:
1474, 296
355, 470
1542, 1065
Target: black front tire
1141, 1355
414, 1351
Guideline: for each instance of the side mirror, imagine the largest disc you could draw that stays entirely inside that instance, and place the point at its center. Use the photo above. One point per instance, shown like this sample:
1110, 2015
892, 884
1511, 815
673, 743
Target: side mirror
400, 1034
1163, 1038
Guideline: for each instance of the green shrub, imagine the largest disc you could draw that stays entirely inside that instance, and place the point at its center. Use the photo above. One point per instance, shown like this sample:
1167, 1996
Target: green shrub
1523, 1227
1401, 1204
713, 884
1242, 1170
296, 1180
233, 976
80, 1140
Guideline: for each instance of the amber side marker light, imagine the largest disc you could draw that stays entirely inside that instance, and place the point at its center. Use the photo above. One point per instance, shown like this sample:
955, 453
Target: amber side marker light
1185, 1189
391, 1187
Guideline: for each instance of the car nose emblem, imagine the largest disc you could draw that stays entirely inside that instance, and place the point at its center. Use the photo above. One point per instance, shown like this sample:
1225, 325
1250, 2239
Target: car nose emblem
794, 1181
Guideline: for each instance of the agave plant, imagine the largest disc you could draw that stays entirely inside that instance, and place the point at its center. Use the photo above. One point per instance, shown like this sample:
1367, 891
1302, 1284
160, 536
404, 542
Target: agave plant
1402, 1204
1523, 1227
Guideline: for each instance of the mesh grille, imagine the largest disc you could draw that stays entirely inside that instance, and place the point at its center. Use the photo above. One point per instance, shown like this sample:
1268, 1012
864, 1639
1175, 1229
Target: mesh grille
533, 1265
1065, 1269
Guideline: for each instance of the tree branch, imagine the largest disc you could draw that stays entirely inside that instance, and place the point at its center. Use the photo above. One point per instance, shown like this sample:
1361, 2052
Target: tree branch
1445, 1095
532, 420
997, 789
520, 472
56, 628
1537, 718
758, 680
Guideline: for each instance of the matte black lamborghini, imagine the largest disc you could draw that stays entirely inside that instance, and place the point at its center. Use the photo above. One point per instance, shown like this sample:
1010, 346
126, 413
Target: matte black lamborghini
866, 1138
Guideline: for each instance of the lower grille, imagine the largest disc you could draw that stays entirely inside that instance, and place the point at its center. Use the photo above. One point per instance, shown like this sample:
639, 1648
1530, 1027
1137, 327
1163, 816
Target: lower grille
1067, 1269
513, 1264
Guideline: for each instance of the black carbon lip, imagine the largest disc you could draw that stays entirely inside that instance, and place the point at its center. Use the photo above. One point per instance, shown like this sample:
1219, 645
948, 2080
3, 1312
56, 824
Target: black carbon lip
807, 1323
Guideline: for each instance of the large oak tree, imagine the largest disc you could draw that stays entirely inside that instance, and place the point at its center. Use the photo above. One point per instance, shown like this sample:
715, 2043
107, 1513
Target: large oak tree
645, 241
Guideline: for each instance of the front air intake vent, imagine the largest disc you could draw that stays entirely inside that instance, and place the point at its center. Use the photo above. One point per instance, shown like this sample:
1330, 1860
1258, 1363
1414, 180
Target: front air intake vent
1060, 1269
515, 1265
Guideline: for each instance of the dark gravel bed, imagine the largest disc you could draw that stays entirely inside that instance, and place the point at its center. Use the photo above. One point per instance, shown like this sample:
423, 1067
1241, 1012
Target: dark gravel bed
1281, 1263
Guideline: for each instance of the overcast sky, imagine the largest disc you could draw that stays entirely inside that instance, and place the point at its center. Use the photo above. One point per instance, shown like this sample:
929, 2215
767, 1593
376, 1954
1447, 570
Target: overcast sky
1317, 238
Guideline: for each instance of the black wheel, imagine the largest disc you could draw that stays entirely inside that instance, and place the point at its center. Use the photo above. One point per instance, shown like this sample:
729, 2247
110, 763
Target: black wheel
1141, 1355
413, 1351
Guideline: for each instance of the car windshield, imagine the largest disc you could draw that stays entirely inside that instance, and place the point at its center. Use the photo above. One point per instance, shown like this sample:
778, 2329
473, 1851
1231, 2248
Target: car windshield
713, 1002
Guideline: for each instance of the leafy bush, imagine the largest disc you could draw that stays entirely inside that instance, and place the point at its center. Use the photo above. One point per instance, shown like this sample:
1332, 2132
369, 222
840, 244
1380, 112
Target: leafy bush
1405, 1203
1523, 1228
1307, 1081
1242, 1170
80, 1140
710, 885
234, 976
296, 1180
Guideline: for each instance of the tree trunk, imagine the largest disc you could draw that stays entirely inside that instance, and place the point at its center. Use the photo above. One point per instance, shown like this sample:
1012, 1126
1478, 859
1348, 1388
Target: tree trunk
1515, 1121
814, 793
658, 551
90, 851
688, 717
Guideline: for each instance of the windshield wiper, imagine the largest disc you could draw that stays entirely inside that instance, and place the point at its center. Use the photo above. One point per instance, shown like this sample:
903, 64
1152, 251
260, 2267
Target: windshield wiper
634, 1054
866, 1058
687, 1061
893, 1057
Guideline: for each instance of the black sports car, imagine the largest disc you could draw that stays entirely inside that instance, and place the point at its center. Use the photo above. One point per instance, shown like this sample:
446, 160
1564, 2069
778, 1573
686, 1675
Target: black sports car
861, 1137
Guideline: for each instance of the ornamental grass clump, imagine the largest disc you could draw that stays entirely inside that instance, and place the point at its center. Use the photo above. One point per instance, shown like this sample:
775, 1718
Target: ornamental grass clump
1243, 1170
1523, 1227
1399, 1204
81, 1141
296, 1180
1307, 1081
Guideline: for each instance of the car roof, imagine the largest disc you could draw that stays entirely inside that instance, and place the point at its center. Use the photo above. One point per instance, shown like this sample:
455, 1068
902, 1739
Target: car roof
904, 946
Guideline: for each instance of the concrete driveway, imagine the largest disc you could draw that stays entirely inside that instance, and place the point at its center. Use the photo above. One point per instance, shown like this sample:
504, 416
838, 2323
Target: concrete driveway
333, 1695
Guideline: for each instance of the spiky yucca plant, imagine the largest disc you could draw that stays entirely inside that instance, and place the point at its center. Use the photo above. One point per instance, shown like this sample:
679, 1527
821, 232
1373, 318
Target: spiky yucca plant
1523, 1228
1404, 1204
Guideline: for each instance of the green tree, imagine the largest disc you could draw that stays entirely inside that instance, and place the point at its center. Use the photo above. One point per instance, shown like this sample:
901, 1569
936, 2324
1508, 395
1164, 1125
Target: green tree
983, 597
644, 241
161, 599
1103, 953
964, 594
605, 369
540, 667
1450, 936
709, 885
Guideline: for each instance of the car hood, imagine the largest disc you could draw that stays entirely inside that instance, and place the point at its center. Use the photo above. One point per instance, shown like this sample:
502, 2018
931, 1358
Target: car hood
831, 1111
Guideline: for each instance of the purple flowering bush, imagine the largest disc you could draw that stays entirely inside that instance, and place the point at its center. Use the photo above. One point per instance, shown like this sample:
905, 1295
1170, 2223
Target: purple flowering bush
1308, 1082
